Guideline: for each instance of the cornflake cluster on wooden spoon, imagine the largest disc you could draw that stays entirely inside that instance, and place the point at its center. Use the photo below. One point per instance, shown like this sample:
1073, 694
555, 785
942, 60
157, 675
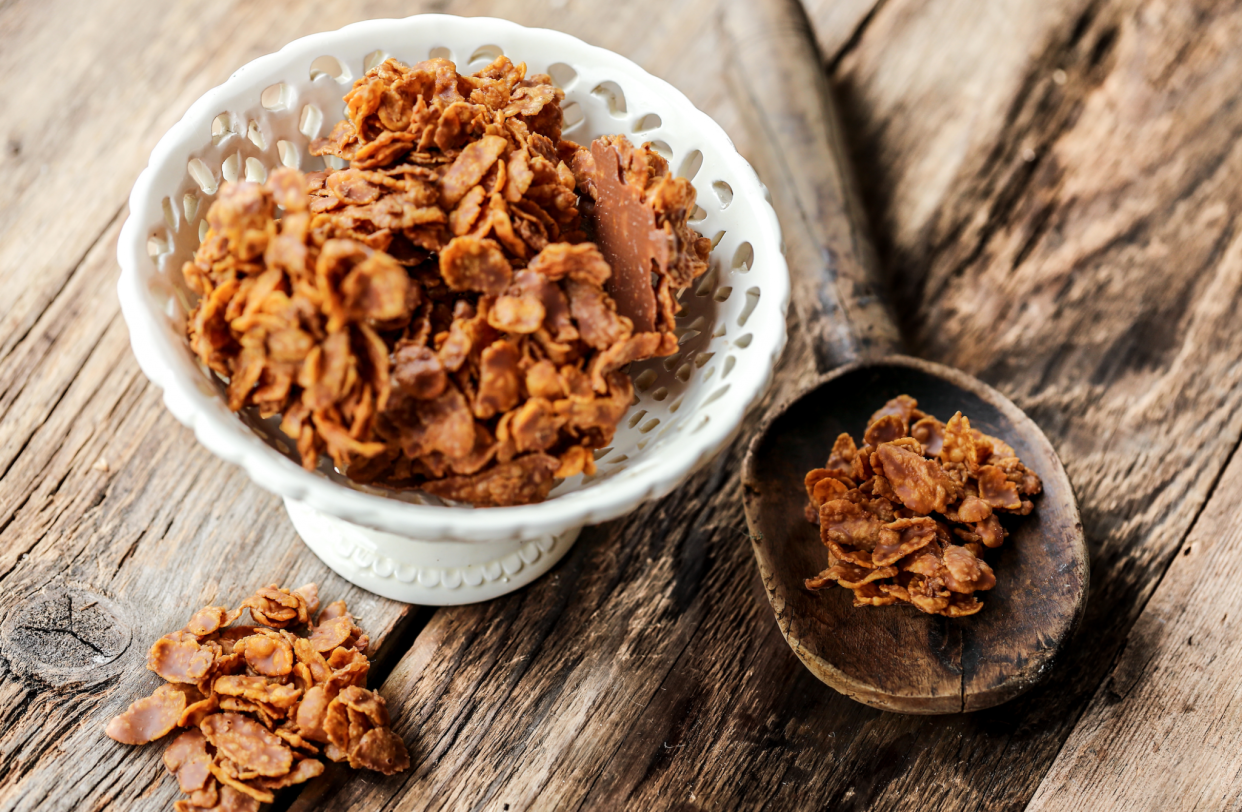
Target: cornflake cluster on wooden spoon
908, 516
260, 705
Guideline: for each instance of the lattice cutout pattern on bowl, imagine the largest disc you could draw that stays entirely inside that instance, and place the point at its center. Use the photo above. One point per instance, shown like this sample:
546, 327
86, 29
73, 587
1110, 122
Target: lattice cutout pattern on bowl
731, 322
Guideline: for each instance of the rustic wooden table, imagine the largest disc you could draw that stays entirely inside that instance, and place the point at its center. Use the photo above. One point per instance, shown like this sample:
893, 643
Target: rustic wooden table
1054, 185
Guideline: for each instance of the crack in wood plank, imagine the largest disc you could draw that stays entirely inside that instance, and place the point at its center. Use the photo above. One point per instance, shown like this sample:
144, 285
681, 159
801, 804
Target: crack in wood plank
831, 62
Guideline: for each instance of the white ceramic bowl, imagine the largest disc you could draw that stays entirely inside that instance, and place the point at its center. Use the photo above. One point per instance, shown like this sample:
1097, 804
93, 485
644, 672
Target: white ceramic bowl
401, 544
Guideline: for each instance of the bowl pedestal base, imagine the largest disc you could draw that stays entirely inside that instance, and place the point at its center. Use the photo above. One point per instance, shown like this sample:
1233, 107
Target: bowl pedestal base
440, 573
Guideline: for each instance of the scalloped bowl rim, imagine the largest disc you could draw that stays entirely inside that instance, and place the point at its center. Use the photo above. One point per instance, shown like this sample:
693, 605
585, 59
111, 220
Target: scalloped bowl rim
233, 441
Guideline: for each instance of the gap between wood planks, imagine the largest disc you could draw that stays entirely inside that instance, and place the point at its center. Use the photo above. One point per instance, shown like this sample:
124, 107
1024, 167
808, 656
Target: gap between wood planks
1164, 571
1165, 696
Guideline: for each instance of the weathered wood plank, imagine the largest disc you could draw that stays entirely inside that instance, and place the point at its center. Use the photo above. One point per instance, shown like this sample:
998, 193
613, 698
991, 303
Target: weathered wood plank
103, 497
1169, 711
111, 503
929, 89
1023, 216
165, 527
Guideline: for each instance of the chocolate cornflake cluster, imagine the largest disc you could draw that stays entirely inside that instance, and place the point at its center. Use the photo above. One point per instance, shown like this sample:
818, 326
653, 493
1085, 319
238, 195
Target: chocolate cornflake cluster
261, 704
908, 516
456, 309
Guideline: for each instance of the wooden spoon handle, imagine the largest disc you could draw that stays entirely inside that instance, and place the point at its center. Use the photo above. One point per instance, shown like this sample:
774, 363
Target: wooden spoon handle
778, 82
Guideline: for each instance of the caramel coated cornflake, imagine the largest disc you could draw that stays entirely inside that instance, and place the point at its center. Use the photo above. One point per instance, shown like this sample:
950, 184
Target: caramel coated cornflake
907, 517
149, 718
261, 704
278, 608
403, 313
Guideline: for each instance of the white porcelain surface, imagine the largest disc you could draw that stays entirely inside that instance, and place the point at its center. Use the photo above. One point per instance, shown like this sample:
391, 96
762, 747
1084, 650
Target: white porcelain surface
689, 406
431, 573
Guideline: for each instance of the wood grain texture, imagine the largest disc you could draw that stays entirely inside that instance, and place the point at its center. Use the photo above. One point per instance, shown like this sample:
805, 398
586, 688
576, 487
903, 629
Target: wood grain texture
1169, 710
840, 24
1067, 169
103, 497
843, 310
107, 501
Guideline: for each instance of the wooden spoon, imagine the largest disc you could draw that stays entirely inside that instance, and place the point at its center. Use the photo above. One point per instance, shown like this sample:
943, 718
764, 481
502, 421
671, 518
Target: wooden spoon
894, 657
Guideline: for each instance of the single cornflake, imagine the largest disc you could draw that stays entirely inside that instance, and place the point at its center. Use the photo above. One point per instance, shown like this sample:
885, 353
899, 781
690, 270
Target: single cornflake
186, 757
473, 264
972, 509
418, 372
871, 595
195, 712
902, 406
959, 444
908, 517
209, 619
919, 483
247, 743
331, 633
400, 313
901, 537
966, 572
180, 660
278, 608
381, 750
149, 718
267, 654
228, 800
930, 433
841, 459
525, 479
470, 166
962, 605
849, 531
996, 491
516, 314
850, 576
264, 690
262, 701
886, 429
303, 771
822, 485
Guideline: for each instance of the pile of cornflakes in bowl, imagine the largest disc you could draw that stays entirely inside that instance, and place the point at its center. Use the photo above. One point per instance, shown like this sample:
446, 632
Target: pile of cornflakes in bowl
454, 310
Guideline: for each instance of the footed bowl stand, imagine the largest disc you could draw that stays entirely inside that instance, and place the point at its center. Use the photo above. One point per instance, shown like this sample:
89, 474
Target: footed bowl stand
447, 573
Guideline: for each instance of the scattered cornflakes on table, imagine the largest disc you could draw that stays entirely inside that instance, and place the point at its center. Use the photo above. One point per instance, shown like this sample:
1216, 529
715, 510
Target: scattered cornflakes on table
261, 706
908, 517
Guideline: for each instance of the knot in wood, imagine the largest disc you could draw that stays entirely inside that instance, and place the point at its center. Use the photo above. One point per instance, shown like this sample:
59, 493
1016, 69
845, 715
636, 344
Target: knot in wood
64, 633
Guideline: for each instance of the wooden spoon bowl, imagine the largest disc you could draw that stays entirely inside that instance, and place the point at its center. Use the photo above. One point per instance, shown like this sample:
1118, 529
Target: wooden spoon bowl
896, 657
